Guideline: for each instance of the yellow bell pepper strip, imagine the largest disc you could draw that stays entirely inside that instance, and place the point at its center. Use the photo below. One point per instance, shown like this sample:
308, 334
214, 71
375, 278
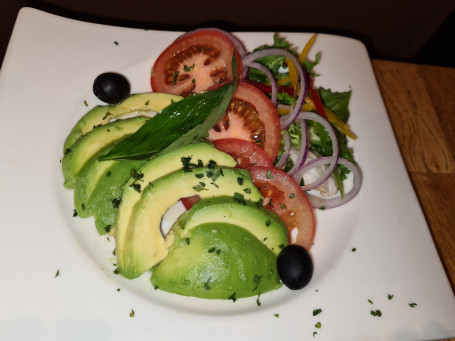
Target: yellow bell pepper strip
307, 49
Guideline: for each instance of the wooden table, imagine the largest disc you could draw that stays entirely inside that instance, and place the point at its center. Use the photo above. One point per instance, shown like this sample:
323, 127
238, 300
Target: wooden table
420, 101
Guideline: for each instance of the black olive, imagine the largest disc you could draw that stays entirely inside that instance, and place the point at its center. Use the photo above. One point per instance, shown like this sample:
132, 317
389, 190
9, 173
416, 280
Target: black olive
295, 267
111, 87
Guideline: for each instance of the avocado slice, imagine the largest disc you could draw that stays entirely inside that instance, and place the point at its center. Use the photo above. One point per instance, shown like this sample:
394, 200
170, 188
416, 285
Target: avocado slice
217, 261
265, 225
89, 144
105, 198
143, 243
87, 179
195, 153
103, 114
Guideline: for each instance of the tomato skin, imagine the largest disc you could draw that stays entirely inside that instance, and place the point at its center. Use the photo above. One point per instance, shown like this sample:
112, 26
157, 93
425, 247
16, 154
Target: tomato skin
244, 152
205, 57
251, 116
284, 196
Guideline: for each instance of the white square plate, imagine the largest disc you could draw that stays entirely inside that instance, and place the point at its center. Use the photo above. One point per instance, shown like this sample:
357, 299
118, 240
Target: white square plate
47, 76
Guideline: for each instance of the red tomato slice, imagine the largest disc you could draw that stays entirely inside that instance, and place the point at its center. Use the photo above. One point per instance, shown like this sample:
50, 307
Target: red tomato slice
244, 152
284, 196
251, 116
195, 63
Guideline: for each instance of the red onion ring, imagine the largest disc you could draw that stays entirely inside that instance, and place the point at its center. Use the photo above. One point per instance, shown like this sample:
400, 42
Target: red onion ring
318, 202
307, 115
287, 150
288, 119
237, 43
303, 152
268, 74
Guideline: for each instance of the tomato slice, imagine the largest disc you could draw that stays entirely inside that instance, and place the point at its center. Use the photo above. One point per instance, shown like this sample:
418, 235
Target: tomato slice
284, 196
251, 116
197, 62
244, 152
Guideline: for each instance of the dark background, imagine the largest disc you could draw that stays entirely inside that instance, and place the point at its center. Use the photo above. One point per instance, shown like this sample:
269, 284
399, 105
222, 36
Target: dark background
418, 31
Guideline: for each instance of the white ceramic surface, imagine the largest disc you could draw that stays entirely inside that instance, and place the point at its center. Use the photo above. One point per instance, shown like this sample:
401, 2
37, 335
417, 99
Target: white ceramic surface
47, 75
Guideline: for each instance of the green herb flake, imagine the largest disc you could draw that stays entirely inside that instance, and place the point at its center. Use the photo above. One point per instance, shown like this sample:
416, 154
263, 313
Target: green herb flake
116, 202
118, 289
370, 301
117, 271
232, 297
175, 75
377, 313
132, 313
202, 184
147, 103
317, 312
322, 208
281, 246
136, 187
240, 181
207, 285
86, 104
257, 281
187, 241
211, 250
107, 228
74, 213
269, 174
193, 80
83, 207
114, 252
257, 300
199, 175
277, 315
247, 190
292, 196
199, 188
57, 273
412, 305
211, 164
389, 296
354, 249
283, 206
218, 251
136, 175
318, 325
239, 198
315, 333
108, 174
107, 114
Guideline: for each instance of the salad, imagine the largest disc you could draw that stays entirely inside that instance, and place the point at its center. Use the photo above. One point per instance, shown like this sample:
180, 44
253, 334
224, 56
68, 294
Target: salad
247, 144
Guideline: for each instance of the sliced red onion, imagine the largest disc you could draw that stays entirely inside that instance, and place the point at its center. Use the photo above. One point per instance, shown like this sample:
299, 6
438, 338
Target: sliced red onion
307, 115
268, 74
303, 152
285, 120
237, 43
326, 203
287, 150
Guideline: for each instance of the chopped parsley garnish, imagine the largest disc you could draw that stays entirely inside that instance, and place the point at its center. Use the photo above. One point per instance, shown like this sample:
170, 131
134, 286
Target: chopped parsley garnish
232, 297
57, 273
354, 249
107, 114
175, 75
207, 285
283, 206
322, 208
240, 181
239, 198
389, 296
317, 312
370, 301
211, 164
412, 305
257, 281
281, 246
211, 250
199, 175
116, 201
86, 104
136, 175
257, 300
292, 196
108, 174
117, 271
147, 103
269, 174
132, 313
318, 325
314, 334
277, 315
74, 213
108, 228
247, 190
118, 289
188, 68
187, 241
377, 313
136, 187
199, 187
268, 222
116, 43
83, 207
